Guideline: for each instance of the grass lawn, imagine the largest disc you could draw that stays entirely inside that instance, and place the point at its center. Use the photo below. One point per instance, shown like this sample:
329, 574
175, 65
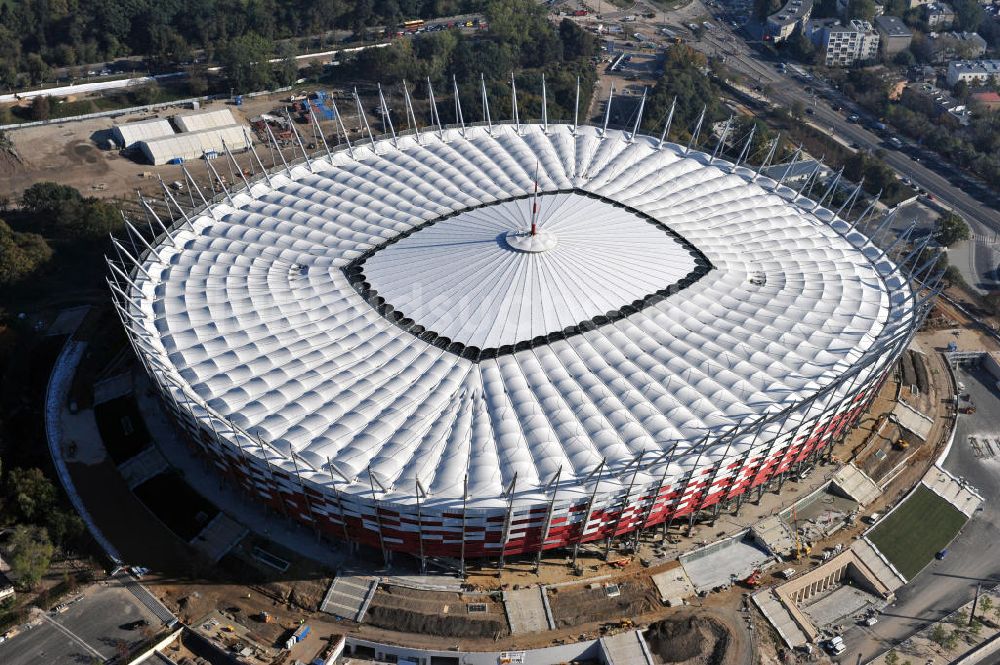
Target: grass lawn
921, 527
178, 506
122, 428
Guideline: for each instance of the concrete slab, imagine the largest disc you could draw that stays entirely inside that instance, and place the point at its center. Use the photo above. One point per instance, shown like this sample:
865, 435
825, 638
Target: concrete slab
854, 484
883, 571
137, 470
774, 534
839, 605
348, 597
951, 489
912, 420
779, 617
674, 586
722, 562
112, 387
526, 610
68, 320
219, 536
626, 649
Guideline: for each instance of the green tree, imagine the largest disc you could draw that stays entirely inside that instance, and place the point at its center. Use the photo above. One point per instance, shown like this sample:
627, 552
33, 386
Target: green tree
90, 219
891, 658
951, 229
31, 554
145, 95
798, 108
286, 70
20, 254
861, 9
985, 605
38, 70
246, 62
684, 79
44, 198
29, 492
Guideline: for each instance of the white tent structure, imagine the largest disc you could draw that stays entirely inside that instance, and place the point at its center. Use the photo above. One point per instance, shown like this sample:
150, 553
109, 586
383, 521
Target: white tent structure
193, 145
127, 135
196, 122
377, 342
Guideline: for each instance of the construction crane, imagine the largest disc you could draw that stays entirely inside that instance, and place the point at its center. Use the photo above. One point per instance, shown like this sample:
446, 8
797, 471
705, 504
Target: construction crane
801, 549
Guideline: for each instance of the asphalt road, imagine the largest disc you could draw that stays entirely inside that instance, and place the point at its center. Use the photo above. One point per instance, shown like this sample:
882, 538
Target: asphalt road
973, 557
89, 629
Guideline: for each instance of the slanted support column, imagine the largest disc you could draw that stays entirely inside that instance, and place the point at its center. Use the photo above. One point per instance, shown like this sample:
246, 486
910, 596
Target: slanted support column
548, 519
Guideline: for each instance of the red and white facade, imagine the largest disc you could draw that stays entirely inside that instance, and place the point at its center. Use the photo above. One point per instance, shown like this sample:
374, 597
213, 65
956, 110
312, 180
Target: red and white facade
365, 341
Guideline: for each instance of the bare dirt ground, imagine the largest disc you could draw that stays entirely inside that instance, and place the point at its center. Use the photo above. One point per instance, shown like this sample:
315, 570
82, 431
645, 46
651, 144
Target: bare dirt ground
70, 153
444, 614
588, 603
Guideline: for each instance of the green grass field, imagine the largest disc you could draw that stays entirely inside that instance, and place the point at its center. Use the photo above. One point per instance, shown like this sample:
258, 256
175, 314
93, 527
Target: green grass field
921, 527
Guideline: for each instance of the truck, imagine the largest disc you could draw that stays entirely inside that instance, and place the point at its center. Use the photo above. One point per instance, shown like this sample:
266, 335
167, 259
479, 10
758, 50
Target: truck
835, 645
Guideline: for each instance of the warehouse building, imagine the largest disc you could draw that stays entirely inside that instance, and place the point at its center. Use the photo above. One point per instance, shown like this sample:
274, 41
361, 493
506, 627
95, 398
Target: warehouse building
207, 143
127, 135
197, 122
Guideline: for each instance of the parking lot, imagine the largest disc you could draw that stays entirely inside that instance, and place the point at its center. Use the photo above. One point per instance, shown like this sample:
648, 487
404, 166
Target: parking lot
90, 628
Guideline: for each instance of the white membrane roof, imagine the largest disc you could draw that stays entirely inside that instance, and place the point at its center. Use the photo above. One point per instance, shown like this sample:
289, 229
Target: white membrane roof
462, 279
252, 311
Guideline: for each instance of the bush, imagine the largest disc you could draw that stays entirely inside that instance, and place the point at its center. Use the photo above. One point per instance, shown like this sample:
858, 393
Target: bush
20, 254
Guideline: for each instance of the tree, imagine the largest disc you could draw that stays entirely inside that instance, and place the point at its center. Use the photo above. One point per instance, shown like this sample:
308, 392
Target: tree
38, 70
985, 605
798, 108
29, 492
905, 58
31, 554
144, 95
41, 107
951, 229
246, 62
861, 9
44, 198
20, 254
891, 658
286, 71
90, 219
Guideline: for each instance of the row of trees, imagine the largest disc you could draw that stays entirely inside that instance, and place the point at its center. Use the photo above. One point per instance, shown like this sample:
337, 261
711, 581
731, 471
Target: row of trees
520, 39
38, 34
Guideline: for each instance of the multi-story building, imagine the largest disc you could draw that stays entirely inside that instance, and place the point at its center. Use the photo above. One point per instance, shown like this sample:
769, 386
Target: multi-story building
973, 72
945, 46
783, 23
844, 45
939, 16
893, 34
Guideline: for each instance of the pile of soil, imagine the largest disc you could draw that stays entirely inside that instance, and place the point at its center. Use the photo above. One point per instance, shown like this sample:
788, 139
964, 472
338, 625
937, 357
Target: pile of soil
693, 640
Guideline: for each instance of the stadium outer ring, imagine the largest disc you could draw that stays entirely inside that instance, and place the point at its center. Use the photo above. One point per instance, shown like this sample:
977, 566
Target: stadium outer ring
610, 505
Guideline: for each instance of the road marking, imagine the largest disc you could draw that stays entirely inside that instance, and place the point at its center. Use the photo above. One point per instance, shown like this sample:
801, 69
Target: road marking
73, 636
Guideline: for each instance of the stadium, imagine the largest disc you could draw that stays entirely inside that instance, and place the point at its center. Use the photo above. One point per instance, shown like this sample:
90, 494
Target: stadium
501, 338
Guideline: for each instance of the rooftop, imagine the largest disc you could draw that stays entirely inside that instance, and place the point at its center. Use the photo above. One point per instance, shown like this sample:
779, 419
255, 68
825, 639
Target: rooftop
792, 12
892, 26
